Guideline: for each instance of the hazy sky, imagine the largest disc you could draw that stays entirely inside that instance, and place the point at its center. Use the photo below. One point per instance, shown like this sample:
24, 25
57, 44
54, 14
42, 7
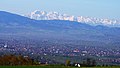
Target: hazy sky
92, 8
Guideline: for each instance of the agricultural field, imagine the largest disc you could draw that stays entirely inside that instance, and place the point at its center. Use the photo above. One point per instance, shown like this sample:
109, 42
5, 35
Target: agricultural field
52, 67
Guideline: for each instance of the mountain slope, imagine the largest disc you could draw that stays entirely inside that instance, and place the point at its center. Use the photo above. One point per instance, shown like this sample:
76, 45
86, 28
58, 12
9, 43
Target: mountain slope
15, 25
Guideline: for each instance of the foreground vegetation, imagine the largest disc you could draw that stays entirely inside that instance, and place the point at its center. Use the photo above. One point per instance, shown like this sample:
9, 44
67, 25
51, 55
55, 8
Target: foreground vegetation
51, 67
12, 61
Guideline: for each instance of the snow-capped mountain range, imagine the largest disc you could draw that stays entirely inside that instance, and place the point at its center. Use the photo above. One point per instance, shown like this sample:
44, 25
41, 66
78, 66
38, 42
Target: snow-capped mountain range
43, 15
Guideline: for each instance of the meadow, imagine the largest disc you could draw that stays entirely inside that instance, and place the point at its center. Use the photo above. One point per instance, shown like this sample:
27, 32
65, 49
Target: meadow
52, 67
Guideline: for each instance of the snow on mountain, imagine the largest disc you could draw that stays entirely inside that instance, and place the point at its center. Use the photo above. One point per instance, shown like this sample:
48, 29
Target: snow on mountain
42, 15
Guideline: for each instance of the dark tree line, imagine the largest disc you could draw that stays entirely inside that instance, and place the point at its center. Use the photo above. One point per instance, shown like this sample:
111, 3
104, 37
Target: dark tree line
86, 63
90, 62
15, 60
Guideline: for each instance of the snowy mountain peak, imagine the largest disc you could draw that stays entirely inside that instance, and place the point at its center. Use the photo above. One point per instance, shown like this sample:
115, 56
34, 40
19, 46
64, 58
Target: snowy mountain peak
43, 15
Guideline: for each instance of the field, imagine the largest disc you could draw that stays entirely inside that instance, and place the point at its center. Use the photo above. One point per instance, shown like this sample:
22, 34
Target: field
50, 67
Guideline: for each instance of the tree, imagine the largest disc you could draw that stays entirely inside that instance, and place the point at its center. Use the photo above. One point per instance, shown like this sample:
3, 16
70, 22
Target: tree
93, 62
88, 62
67, 63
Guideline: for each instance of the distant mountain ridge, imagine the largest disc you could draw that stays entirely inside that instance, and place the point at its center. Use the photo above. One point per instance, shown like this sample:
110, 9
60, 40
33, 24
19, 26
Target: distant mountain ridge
43, 15
15, 25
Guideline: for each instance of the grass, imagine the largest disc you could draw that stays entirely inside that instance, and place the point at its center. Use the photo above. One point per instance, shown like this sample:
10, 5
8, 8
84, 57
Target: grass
50, 67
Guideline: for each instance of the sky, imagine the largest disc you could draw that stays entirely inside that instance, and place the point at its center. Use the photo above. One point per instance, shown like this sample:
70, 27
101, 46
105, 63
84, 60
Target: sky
92, 8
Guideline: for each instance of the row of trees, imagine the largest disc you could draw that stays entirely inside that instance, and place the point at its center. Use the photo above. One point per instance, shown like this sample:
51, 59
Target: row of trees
87, 63
90, 62
15, 60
